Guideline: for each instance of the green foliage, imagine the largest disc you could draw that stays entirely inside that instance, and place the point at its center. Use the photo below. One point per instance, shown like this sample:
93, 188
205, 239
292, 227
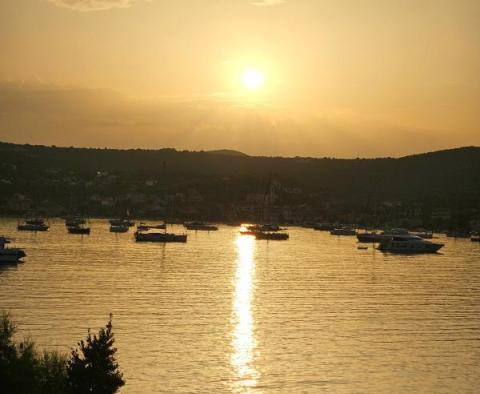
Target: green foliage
92, 368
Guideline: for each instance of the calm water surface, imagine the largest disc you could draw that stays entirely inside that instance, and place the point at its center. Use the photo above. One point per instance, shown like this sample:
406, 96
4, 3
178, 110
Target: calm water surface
228, 314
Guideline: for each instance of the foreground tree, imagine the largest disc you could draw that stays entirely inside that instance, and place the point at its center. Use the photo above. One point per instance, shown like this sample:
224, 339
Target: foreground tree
92, 368
24, 370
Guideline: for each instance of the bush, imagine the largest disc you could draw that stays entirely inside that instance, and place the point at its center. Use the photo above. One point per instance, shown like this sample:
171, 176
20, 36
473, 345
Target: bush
92, 369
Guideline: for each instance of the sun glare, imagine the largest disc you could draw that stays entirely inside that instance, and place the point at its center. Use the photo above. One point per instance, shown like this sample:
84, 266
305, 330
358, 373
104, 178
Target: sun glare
252, 79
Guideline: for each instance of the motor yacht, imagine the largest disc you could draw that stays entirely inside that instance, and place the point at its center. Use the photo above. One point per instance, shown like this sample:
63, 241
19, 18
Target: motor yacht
408, 244
156, 236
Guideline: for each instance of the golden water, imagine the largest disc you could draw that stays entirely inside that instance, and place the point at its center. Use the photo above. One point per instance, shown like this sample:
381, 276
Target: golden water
228, 314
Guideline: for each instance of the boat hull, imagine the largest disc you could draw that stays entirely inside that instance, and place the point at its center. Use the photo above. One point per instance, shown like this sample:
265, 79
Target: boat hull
32, 227
407, 249
271, 236
11, 255
160, 237
75, 230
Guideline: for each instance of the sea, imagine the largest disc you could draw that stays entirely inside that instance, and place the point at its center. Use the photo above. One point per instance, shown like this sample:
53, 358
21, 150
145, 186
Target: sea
224, 313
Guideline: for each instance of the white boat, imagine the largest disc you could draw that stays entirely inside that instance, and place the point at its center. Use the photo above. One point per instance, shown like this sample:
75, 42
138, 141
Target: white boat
9, 255
408, 244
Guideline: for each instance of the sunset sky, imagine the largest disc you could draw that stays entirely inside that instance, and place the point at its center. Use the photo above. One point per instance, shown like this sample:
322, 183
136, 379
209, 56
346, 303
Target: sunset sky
341, 78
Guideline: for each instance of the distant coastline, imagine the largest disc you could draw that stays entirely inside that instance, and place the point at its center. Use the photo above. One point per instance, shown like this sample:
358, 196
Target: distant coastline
436, 190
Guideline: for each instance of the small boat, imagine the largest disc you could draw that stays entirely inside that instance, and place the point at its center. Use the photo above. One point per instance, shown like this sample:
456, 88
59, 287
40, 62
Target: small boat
79, 229
343, 231
201, 226
159, 237
145, 227
271, 236
120, 228
264, 228
9, 255
458, 234
475, 238
33, 224
74, 221
122, 222
408, 244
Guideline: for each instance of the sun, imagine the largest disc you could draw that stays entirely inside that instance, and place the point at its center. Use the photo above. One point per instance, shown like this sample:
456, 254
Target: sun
252, 79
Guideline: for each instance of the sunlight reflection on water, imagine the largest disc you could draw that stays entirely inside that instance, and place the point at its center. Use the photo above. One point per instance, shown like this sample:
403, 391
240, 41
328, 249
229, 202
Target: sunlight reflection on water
243, 338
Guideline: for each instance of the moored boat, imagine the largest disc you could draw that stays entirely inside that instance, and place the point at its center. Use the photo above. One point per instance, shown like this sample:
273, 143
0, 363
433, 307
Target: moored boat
271, 236
122, 222
9, 255
408, 244
475, 238
141, 236
33, 224
201, 226
343, 231
79, 229
120, 228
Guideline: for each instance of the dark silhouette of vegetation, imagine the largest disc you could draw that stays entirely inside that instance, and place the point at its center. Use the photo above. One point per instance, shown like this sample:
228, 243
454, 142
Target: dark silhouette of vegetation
24, 370
92, 368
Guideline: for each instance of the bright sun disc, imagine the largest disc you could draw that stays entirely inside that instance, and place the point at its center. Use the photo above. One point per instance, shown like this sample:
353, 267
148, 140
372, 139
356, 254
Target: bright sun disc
252, 79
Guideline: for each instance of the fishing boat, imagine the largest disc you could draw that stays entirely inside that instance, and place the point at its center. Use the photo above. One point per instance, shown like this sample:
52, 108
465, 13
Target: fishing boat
200, 226
9, 255
33, 224
408, 244
119, 228
156, 236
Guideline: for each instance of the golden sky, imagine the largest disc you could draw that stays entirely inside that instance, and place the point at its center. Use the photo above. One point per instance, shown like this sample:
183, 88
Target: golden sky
341, 78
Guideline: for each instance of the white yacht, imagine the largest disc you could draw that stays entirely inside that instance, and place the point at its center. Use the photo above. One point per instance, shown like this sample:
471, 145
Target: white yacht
408, 244
9, 255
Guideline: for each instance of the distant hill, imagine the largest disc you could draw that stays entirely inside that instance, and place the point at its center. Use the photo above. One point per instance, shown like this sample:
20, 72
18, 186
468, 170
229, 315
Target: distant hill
209, 181
227, 152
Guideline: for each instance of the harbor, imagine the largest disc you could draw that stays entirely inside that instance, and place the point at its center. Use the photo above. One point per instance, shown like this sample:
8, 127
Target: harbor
222, 311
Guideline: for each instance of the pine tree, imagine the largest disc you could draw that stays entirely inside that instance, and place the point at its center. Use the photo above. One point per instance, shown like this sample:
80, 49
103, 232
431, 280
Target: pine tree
92, 368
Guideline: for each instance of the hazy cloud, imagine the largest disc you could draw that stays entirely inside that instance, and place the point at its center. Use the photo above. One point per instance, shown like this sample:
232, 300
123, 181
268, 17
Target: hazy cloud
46, 114
92, 5
267, 2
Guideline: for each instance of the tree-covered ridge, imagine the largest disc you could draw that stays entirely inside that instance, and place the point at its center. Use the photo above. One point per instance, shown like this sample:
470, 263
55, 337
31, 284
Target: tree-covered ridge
166, 182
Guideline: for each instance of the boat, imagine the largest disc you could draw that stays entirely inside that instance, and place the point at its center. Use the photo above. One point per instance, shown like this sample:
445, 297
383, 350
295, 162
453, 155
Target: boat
343, 231
122, 222
120, 228
74, 221
408, 244
475, 238
9, 255
200, 226
33, 224
145, 227
458, 234
271, 236
79, 229
374, 237
265, 227
156, 236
